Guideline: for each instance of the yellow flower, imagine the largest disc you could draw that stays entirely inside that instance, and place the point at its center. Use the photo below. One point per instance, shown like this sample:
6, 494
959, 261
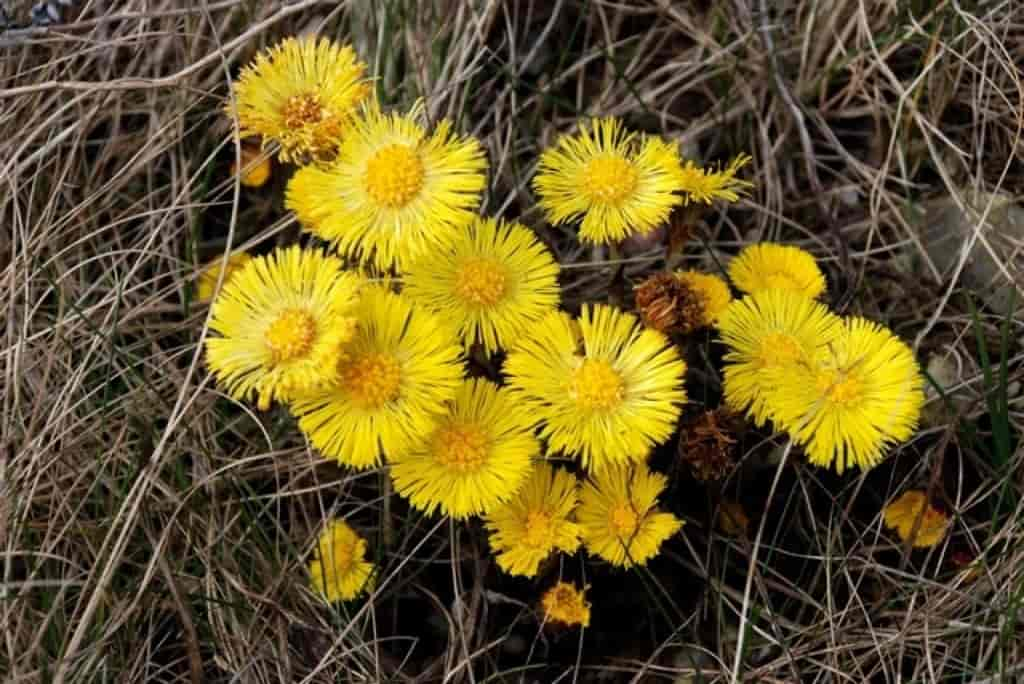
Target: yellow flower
619, 517
302, 93
527, 529
772, 329
853, 398
566, 604
477, 457
256, 167
903, 513
392, 383
604, 387
394, 192
493, 282
619, 183
211, 272
339, 570
280, 324
705, 185
712, 291
767, 266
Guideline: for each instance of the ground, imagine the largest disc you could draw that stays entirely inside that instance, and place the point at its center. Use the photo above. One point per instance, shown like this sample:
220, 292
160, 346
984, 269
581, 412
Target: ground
152, 530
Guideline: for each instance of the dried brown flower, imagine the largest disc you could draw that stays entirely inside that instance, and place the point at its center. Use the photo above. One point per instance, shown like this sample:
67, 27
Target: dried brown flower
706, 444
667, 304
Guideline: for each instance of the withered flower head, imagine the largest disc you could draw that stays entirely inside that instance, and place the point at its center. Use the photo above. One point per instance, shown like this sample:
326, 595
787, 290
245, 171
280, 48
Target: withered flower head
668, 305
706, 444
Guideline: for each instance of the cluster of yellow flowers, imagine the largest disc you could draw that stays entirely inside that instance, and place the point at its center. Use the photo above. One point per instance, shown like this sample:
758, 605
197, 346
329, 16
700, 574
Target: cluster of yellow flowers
367, 346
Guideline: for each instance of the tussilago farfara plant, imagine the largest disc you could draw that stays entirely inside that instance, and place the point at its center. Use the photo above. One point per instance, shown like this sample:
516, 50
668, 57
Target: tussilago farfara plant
386, 373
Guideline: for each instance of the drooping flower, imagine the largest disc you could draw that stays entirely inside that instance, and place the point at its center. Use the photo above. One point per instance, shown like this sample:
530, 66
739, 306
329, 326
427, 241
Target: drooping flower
853, 398
527, 529
493, 282
255, 167
207, 284
339, 570
667, 305
391, 386
303, 92
616, 182
768, 266
603, 387
707, 185
712, 291
902, 515
477, 457
566, 604
394, 192
619, 516
771, 329
280, 323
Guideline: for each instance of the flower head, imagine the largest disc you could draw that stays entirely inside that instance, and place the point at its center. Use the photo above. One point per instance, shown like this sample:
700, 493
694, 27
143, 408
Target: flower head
394, 192
618, 183
712, 291
477, 456
706, 185
207, 284
902, 515
771, 329
767, 266
604, 387
280, 323
302, 93
255, 167
392, 383
339, 570
667, 305
619, 517
527, 529
853, 398
707, 444
566, 604
494, 281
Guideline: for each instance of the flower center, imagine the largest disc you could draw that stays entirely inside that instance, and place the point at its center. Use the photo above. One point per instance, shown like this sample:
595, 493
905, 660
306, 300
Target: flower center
371, 379
394, 176
461, 447
780, 281
303, 110
778, 349
482, 282
290, 336
623, 520
596, 386
538, 530
609, 180
839, 387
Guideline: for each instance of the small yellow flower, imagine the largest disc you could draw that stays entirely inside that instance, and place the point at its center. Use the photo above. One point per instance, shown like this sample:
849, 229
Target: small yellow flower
604, 387
256, 168
767, 266
853, 398
617, 182
302, 93
706, 185
712, 291
494, 282
280, 323
339, 570
903, 513
772, 329
527, 529
566, 604
207, 284
391, 383
619, 516
477, 457
394, 192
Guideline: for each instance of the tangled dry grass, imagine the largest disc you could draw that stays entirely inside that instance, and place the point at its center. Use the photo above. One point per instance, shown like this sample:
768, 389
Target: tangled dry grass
151, 530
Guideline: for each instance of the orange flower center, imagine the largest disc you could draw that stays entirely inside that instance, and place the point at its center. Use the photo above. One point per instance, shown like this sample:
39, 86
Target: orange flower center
623, 520
538, 530
461, 447
290, 336
394, 176
778, 349
372, 379
303, 110
839, 387
482, 282
596, 386
609, 180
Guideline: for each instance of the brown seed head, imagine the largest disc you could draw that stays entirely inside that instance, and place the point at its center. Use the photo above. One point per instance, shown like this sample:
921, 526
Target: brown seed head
668, 305
706, 445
